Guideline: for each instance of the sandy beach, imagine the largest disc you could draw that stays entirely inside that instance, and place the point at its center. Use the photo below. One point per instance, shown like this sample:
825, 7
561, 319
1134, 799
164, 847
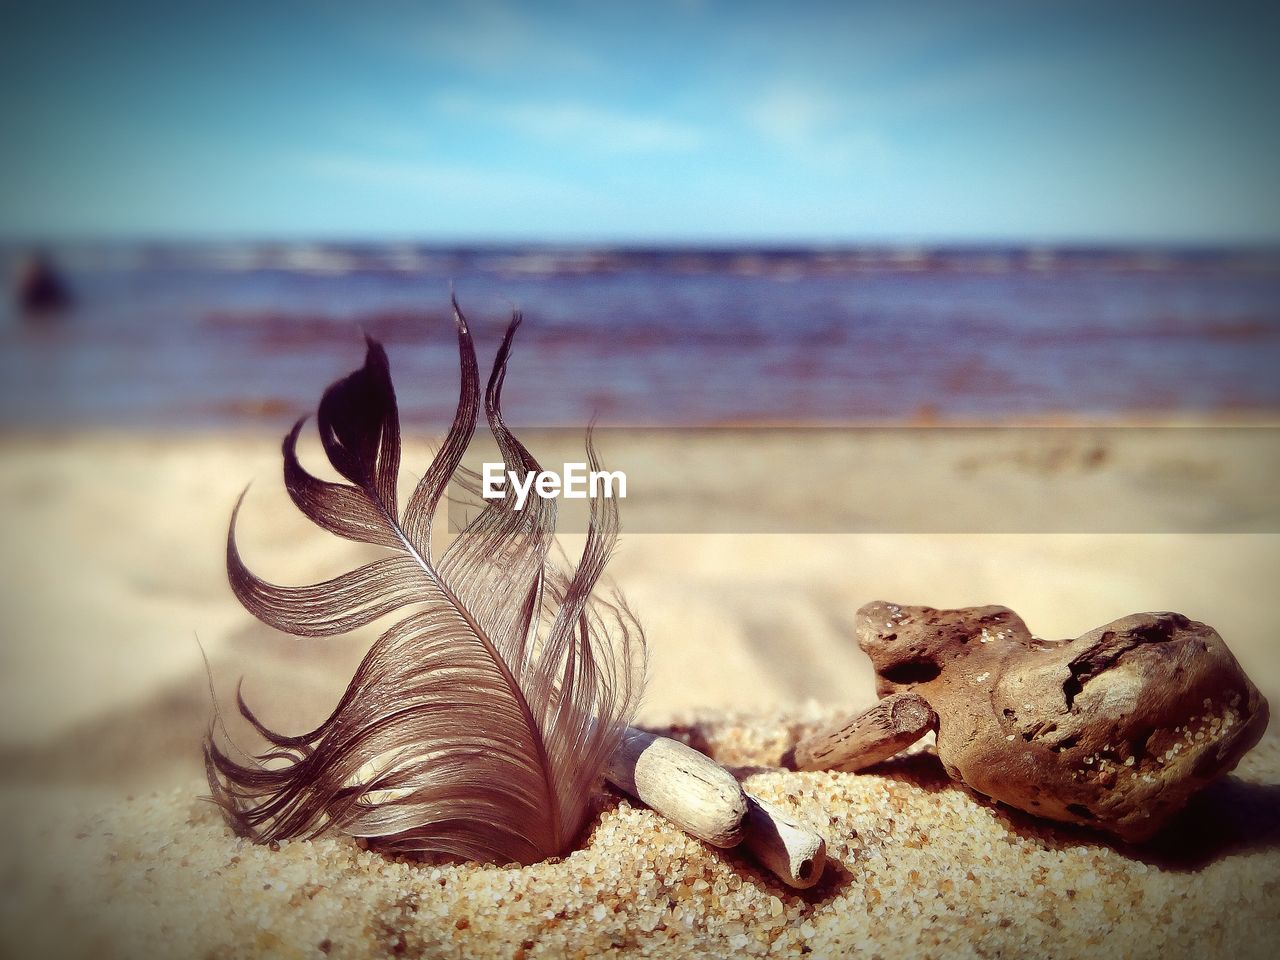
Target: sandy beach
965, 317
113, 566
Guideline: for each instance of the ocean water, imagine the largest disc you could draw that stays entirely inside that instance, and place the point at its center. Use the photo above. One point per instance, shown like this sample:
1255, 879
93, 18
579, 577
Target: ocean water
214, 335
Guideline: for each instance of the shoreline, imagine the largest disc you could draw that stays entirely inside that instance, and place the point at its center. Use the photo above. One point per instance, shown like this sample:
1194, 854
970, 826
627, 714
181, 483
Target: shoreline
281, 422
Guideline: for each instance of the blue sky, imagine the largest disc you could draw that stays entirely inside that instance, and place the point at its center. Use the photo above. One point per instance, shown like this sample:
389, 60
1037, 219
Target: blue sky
668, 121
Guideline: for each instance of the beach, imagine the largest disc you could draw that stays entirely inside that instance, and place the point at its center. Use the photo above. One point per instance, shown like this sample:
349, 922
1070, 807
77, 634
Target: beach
967, 318
113, 560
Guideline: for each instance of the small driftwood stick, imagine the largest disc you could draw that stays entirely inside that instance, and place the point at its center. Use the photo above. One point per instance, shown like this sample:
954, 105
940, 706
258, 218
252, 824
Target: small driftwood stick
795, 854
867, 738
687, 787
706, 800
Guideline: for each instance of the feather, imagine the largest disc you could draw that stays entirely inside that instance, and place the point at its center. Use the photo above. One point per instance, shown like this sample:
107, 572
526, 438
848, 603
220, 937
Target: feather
478, 723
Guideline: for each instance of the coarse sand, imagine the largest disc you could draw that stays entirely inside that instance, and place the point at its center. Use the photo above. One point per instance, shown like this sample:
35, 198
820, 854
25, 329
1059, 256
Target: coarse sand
917, 867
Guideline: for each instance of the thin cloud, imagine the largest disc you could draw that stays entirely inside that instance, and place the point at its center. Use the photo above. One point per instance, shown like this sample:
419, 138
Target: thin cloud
815, 128
435, 178
496, 38
581, 124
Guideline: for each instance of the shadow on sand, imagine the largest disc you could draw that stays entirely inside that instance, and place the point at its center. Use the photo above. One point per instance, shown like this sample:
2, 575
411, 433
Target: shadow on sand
1230, 817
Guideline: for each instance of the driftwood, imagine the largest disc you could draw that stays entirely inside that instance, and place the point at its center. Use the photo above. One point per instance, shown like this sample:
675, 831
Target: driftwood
866, 738
793, 852
1113, 730
706, 800
690, 789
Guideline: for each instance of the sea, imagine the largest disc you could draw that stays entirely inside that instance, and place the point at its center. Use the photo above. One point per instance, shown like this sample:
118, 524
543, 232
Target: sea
211, 335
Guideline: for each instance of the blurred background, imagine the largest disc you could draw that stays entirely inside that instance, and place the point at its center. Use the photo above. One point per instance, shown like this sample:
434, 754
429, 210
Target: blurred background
713, 214
862, 211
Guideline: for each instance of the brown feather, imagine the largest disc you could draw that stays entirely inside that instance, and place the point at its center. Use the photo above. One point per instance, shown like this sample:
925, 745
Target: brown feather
477, 725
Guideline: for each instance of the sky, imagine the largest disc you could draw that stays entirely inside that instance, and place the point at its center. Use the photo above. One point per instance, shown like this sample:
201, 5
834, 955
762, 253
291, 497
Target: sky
680, 122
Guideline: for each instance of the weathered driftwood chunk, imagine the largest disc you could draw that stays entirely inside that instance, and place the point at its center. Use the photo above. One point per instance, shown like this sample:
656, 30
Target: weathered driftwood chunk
1115, 729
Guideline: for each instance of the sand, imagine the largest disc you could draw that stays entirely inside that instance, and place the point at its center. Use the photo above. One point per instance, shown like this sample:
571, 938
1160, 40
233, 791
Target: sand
916, 867
112, 565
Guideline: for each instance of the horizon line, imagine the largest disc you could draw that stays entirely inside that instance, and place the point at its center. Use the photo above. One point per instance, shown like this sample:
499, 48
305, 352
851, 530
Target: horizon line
642, 243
